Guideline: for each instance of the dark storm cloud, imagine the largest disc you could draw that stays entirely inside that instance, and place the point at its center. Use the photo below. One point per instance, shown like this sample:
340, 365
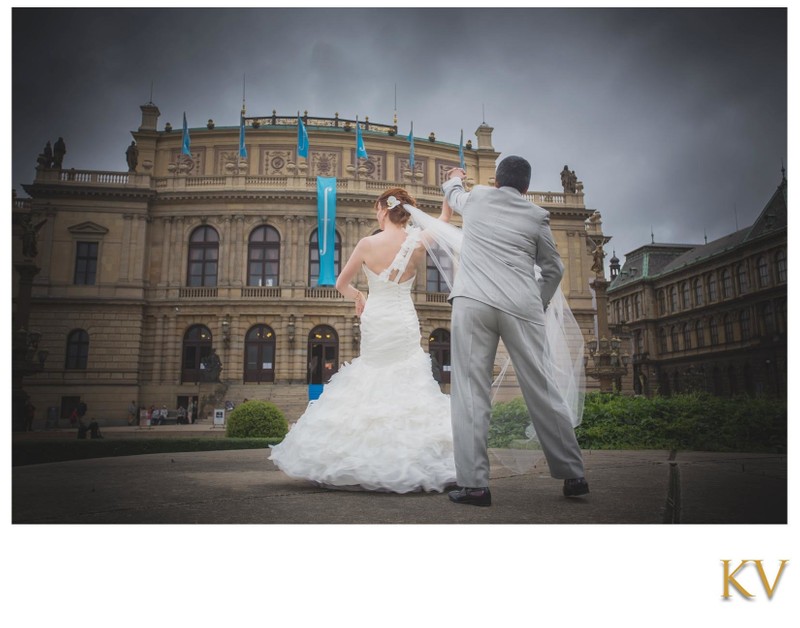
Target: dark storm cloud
672, 118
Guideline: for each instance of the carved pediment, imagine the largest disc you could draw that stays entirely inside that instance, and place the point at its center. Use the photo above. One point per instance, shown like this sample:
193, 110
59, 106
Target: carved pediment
88, 228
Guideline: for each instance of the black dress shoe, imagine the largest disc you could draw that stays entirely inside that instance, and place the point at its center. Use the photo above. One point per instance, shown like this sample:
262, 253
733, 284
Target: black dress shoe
472, 496
575, 487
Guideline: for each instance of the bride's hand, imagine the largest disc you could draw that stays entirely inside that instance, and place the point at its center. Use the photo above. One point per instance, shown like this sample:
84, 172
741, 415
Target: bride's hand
361, 302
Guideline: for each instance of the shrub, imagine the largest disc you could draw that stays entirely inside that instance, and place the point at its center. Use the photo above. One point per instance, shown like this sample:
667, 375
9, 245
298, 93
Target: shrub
694, 421
256, 419
508, 423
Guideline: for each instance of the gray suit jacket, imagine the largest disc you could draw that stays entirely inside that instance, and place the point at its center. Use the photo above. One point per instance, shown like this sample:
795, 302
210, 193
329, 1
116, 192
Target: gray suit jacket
504, 236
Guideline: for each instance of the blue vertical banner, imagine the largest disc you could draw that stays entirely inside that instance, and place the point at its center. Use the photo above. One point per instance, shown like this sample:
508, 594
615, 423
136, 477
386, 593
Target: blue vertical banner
461, 163
361, 150
302, 138
326, 229
411, 150
185, 144
242, 147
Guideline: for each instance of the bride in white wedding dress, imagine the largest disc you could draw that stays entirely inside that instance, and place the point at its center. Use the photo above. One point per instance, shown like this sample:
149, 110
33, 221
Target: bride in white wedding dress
381, 423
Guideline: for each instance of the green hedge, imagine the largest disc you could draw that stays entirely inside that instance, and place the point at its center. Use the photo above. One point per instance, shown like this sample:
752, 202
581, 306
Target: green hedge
256, 419
694, 421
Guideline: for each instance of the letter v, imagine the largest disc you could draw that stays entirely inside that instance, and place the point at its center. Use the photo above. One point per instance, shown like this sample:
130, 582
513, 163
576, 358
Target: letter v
769, 589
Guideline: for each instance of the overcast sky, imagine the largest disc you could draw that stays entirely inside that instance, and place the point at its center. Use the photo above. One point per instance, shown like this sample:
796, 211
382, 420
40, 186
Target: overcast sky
675, 119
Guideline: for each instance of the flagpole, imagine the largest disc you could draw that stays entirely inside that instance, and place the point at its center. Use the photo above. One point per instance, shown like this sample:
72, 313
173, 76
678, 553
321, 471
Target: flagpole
244, 84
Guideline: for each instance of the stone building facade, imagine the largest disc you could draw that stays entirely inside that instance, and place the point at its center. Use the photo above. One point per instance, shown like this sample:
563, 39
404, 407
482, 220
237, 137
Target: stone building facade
143, 274
711, 317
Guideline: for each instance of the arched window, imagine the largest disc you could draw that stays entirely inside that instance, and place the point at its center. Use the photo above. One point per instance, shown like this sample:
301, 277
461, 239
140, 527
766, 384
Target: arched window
712, 288
662, 303
713, 331
727, 284
676, 339
763, 272
263, 257
673, 299
687, 296
687, 336
701, 336
727, 323
323, 354
627, 309
196, 348
313, 258
662, 340
435, 280
780, 264
203, 257
741, 277
744, 324
259, 354
698, 292
439, 349
77, 349
637, 305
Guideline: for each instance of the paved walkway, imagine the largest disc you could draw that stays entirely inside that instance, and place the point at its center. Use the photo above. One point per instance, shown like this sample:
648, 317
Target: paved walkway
242, 486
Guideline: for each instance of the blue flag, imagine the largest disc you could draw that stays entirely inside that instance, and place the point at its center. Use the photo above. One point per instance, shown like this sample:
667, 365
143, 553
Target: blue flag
461, 151
302, 138
326, 229
411, 151
242, 147
185, 147
361, 151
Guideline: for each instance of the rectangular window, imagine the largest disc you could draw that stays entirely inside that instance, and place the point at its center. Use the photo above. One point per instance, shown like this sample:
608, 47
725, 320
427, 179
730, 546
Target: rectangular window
86, 263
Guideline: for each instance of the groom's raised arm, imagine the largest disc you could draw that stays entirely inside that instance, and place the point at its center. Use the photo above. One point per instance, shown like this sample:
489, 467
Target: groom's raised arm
454, 192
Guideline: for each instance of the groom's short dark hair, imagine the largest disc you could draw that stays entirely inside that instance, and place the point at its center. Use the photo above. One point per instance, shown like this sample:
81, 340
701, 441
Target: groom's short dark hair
514, 172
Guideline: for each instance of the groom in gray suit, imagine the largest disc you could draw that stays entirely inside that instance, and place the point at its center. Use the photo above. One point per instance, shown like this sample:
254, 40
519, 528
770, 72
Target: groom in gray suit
496, 295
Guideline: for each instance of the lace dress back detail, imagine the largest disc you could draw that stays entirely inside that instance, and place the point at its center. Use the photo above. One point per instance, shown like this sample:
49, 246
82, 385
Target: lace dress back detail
395, 270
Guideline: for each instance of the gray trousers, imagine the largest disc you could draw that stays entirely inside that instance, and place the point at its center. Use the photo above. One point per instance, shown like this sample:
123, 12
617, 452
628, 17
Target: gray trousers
477, 329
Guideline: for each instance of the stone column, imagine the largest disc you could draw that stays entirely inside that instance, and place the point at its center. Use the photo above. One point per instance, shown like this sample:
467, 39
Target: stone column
239, 268
224, 274
287, 252
165, 250
301, 252
125, 253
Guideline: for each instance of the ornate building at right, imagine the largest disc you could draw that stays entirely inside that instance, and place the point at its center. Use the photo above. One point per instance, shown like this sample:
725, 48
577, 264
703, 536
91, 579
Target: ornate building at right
708, 317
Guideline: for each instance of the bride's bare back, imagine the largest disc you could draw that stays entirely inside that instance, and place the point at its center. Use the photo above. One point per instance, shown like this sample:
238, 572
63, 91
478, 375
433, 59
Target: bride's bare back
379, 251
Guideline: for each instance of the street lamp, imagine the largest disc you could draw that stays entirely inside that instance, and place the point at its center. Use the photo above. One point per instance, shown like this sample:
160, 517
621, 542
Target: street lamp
607, 363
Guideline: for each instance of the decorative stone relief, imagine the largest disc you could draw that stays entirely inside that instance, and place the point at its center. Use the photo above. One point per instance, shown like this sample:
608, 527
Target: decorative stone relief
228, 160
273, 162
404, 165
325, 163
184, 164
442, 168
375, 166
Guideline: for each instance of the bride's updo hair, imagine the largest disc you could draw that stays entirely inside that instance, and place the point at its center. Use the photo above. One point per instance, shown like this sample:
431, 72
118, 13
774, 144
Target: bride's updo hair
396, 197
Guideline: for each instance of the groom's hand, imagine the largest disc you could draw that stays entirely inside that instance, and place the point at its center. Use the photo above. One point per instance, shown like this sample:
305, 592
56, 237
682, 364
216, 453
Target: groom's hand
456, 172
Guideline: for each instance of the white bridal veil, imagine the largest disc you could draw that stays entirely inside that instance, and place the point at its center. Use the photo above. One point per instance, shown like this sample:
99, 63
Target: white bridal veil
563, 358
